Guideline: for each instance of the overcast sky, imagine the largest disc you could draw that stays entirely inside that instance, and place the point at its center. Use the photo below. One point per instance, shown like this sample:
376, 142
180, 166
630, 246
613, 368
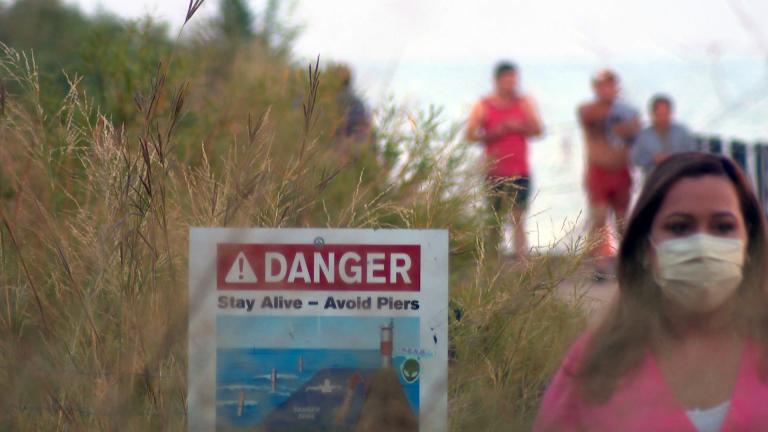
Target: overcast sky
441, 51
383, 31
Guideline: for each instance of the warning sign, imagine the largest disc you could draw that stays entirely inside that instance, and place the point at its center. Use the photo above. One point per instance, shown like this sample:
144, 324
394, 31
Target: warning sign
321, 330
352, 267
241, 271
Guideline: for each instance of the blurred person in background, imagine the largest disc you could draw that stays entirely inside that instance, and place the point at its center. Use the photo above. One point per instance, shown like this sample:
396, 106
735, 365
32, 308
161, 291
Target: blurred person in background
354, 128
503, 121
684, 347
609, 126
664, 137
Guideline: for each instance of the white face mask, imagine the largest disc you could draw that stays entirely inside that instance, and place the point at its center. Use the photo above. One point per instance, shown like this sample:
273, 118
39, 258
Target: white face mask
699, 272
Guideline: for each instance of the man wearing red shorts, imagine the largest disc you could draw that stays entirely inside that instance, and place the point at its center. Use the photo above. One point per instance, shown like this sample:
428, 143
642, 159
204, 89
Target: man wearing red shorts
503, 122
609, 127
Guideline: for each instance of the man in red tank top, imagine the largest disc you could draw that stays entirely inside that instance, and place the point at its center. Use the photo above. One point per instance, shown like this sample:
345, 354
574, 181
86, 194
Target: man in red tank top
502, 122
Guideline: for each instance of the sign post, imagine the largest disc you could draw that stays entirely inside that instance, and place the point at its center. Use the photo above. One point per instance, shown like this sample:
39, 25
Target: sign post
318, 329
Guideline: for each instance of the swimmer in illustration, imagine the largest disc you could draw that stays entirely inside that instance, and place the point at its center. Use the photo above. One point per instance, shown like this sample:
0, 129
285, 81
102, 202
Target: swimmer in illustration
326, 387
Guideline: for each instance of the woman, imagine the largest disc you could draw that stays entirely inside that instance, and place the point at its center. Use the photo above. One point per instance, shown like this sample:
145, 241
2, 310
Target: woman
685, 347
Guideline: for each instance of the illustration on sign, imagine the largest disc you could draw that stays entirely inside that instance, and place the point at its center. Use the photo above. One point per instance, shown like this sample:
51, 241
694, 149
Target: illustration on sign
299, 334
277, 388
411, 369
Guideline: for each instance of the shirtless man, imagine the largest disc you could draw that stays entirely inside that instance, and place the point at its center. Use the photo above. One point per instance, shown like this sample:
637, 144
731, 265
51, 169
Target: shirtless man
503, 121
609, 127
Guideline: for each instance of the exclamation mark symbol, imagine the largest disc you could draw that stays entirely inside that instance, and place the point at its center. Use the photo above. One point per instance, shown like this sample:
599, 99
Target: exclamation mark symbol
240, 270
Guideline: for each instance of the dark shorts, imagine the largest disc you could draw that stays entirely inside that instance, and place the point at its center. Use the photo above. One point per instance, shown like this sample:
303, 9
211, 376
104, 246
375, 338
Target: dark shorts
509, 190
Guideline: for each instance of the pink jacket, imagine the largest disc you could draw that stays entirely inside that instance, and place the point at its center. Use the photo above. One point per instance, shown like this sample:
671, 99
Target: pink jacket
645, 403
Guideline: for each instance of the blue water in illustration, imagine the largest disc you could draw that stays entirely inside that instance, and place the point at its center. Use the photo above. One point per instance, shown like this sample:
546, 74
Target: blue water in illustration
247, 371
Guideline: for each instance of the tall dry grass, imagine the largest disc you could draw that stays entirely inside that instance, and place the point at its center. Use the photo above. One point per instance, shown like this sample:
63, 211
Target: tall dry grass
95, 217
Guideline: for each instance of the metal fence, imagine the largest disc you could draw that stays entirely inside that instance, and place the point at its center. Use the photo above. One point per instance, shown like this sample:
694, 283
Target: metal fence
752, 157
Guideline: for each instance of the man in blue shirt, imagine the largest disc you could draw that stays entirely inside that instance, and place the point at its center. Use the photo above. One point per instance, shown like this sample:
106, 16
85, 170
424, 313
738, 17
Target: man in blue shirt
356, 120
662, 138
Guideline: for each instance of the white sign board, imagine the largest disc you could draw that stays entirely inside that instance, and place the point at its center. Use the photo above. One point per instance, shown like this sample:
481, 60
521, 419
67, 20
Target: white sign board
317, 329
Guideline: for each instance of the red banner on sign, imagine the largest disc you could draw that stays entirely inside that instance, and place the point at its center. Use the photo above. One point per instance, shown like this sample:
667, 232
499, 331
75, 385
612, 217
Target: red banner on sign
326, 267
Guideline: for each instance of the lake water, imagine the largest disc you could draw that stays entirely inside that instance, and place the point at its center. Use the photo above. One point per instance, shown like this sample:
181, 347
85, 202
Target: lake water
246, 373
725, 97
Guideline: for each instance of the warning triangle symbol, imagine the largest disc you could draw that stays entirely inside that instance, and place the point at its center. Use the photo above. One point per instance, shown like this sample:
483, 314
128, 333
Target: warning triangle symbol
241, 271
